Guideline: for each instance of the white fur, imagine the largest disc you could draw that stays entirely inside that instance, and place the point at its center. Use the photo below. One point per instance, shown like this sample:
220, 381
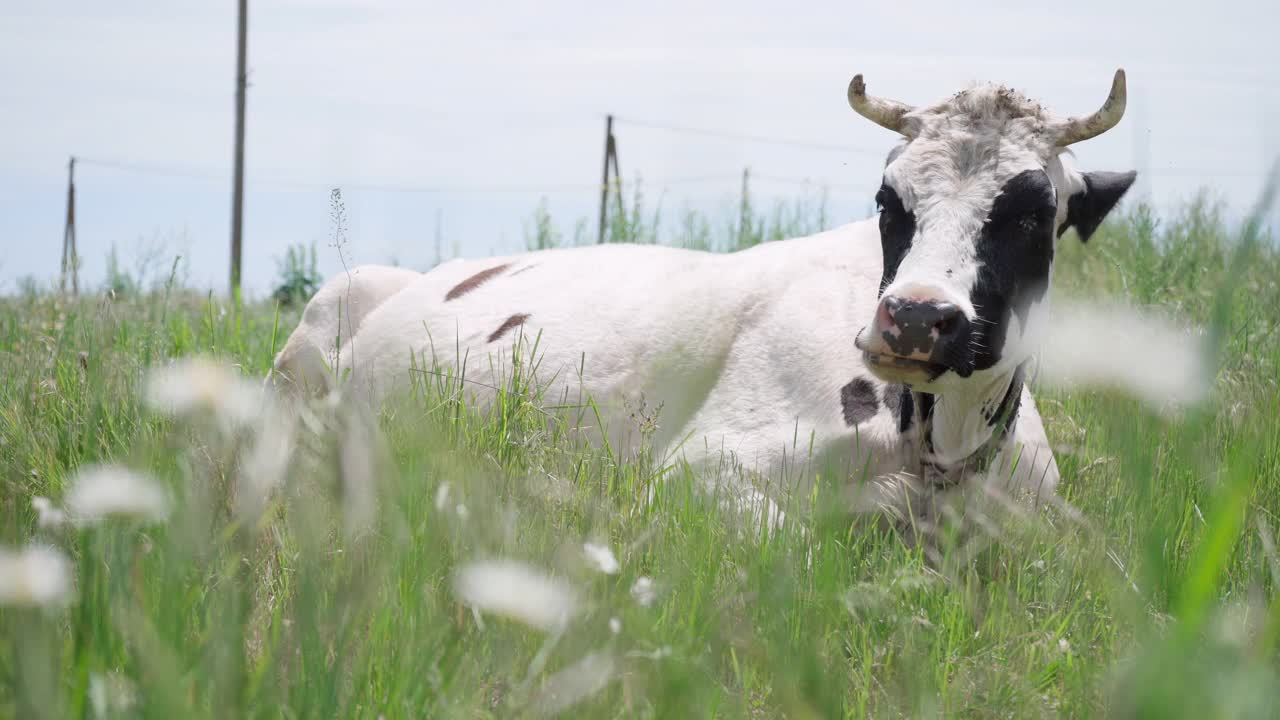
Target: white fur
957, 156
745, 353
331, 319
960, 153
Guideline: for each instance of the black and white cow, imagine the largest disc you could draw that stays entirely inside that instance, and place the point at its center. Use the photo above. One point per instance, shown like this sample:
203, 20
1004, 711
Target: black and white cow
897, 346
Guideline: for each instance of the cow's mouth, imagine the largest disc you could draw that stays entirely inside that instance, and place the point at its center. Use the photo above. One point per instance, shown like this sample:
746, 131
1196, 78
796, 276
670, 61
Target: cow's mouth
896, 368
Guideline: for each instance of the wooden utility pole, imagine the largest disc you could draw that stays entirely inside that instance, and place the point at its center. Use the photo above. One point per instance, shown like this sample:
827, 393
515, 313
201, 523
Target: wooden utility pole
617, 176
70, 258
610, 160
237, 187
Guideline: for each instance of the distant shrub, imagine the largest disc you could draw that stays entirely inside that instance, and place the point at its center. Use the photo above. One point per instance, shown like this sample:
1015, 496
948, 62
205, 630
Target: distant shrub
540, 231
746, 224
298, 278
119, 280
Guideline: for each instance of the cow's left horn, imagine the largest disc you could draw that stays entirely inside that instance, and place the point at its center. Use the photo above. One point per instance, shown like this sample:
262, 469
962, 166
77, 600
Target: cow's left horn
1075, 130
885, 113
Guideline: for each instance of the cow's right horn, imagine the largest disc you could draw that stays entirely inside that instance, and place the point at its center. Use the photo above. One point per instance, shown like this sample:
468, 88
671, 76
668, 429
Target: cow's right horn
885, 113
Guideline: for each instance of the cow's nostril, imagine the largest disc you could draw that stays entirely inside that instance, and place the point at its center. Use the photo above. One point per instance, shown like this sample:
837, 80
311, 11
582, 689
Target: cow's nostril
948, 319
886, 317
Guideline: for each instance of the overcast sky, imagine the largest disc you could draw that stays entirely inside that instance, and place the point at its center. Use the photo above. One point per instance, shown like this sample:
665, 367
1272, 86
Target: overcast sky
502, 104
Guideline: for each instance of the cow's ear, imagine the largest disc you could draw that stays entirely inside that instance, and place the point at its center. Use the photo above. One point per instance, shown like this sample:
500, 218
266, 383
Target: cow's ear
1087, 208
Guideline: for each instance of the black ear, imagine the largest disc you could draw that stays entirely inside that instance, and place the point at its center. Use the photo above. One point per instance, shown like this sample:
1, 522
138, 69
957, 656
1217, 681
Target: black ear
1087, 208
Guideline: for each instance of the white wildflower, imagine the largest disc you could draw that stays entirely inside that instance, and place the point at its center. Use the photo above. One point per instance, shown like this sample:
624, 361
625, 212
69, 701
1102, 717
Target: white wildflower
359, 465
442, 496
102, 491
266, 462
334, 400
615, 625
1235, 625
643, 591
1124, 348
659, 654
111, 694
601, 558
517, 591
1064, 645
35, 576
195, 385
575, 683
462, 511
48, 516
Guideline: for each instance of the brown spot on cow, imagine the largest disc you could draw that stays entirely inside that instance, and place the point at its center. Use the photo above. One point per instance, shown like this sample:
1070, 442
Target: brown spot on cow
474, 282
511, 322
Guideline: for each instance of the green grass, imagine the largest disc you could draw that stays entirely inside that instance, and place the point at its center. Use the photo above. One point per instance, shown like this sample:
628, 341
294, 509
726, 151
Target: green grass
1159, 600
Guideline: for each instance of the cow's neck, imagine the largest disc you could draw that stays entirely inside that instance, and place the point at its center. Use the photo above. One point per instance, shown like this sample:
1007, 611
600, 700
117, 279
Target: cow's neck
960, 432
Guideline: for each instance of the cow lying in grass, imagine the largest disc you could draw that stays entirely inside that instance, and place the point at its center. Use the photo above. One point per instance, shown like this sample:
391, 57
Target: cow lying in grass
895, 347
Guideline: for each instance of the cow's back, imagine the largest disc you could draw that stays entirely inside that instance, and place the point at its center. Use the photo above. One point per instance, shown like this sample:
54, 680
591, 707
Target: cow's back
626, 324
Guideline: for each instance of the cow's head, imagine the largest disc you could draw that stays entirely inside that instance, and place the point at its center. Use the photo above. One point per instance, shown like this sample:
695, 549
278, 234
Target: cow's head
970, 207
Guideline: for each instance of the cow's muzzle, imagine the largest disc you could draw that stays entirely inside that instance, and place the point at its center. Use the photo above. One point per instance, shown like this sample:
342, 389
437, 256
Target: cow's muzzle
916, 340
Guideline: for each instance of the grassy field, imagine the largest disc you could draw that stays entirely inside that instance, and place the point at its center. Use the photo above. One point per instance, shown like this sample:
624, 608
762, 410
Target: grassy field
339, 598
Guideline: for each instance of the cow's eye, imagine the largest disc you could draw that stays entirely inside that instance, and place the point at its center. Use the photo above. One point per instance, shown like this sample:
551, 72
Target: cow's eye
1036, 219
888, 204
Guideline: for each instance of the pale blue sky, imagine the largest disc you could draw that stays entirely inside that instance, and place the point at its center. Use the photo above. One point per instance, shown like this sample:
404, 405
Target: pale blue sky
511, 97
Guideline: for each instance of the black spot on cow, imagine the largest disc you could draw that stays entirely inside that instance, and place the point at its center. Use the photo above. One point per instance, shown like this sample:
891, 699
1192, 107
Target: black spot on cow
892, 398
1007, 411
858, 401
926, 407
897, 228
1087, 208
512, 322
474, 282
1014, 251
897, 398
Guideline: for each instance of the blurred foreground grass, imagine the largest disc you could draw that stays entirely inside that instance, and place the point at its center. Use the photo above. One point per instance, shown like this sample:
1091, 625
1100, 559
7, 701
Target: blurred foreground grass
337, 599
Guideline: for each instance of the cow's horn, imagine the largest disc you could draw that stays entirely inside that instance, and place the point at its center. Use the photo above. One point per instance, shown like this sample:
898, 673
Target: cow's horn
1073, 130
885, 113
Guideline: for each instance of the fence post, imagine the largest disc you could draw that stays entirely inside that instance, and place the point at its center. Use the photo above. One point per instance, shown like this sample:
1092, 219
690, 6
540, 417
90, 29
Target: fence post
604, 176
237, 187
70, 258
617, 175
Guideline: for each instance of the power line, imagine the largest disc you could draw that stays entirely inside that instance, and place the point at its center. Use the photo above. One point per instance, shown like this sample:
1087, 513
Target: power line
817, 183
217, 175
213, 174
829, 147
1201, 172
743, 137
